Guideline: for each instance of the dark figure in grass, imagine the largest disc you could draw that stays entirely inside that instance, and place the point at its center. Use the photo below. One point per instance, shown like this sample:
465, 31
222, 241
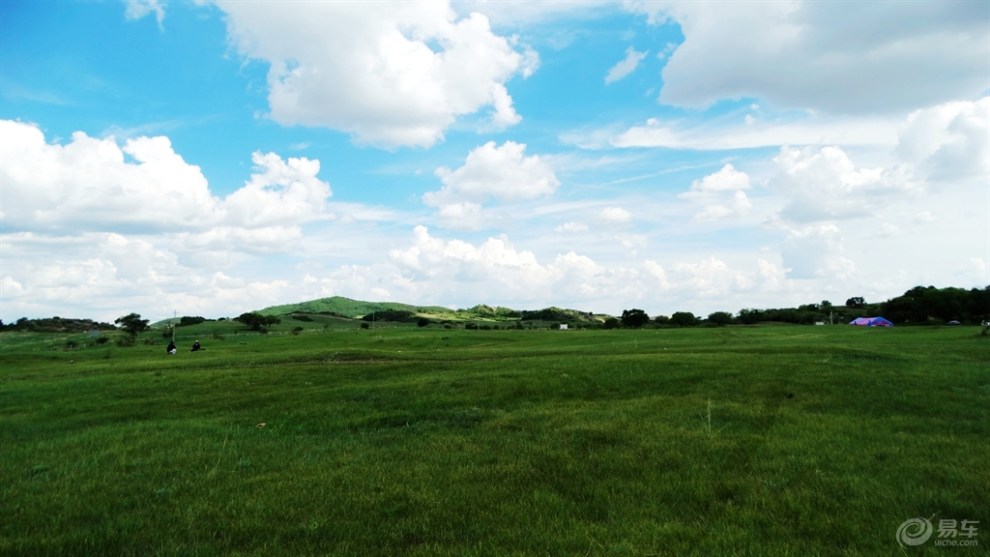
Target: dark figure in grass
171, 347
196, 346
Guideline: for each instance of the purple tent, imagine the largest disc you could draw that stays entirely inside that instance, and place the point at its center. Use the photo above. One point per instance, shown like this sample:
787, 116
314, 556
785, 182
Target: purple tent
871, 322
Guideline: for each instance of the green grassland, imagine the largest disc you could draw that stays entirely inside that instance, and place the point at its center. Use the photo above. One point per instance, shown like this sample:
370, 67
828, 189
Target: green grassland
430, 441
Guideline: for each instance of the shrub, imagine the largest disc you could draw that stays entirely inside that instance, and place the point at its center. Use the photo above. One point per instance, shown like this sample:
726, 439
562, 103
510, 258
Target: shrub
124, 341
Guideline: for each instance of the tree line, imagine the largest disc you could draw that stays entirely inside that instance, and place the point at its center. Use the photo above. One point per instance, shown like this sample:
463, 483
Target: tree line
918, 306
921, 305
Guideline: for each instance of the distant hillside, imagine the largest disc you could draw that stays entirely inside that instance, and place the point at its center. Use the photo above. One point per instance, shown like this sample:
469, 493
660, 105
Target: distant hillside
356, 309
57, 325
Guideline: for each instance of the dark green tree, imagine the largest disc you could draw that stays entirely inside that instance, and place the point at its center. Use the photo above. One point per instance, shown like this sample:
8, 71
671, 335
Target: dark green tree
634, 318
827, 310
258, 322
720, 318
132, 324
751, 316
683, 319
397, 315
187, 320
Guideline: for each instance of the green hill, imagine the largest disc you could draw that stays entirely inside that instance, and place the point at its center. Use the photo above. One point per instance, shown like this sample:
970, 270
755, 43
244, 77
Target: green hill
356, 309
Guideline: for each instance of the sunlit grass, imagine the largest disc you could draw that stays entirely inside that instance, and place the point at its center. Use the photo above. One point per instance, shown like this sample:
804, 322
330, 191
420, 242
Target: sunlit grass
406, 441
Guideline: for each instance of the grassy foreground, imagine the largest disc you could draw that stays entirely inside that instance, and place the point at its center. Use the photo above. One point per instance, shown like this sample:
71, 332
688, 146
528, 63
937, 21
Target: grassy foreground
733, 441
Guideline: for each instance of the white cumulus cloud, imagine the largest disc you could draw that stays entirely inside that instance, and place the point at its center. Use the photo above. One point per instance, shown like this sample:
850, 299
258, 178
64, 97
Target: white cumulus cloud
727, 179
824, 183
615, 215
502, 173
98, 185
279, 192
95, 183
389, 73
948, 142
720, 194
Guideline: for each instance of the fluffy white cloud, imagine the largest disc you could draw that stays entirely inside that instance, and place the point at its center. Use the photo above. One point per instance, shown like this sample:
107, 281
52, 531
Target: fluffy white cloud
949, 142
720, 194
626, 66
389, 73
504, 173
615, 215
129, 226
496, 271
102, 270
824, 183
279, 192
869, 57
93, 184
495, 263
105, 275
842, 221
727, 179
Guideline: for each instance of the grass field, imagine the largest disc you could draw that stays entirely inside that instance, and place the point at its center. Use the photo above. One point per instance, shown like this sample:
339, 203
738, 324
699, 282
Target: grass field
405, 441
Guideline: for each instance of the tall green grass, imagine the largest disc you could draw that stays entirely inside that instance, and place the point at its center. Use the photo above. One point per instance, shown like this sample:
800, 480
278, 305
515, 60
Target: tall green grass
404, 441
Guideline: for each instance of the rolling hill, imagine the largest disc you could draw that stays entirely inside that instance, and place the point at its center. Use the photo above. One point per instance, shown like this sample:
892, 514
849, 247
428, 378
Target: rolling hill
357, 309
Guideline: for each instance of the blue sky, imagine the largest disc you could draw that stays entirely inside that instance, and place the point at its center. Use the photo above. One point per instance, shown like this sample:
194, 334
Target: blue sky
211, 158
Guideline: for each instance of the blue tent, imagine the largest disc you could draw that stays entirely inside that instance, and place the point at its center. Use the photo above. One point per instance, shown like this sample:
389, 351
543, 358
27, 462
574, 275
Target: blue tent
871, 322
